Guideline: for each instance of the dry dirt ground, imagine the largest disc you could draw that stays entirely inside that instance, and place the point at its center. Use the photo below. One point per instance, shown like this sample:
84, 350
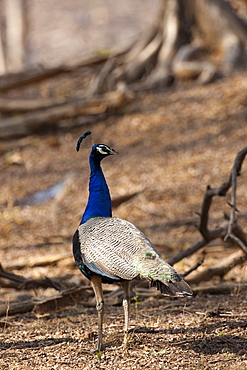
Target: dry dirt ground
172, 145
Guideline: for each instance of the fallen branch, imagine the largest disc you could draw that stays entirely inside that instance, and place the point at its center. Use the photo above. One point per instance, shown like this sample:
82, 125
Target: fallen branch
40, 261
220, 269
27, 105
32, 122
20, 283
42, 305
30, 76
61, 300
14, 308
225, 288
34, 75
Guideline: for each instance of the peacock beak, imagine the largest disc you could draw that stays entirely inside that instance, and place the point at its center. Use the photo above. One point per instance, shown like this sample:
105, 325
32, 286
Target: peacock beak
113, 151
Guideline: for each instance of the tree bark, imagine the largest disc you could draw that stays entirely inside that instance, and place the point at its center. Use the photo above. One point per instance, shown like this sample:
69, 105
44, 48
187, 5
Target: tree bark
176, 46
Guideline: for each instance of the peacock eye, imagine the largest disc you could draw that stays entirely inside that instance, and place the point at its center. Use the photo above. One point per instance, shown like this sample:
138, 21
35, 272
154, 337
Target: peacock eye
101, 150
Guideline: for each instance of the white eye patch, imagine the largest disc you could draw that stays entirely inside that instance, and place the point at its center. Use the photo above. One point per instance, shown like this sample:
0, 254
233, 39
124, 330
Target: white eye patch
101, 150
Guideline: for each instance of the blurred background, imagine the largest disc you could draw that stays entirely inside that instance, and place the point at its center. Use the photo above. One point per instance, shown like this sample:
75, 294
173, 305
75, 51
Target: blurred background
164, 83
46, 33
172, 142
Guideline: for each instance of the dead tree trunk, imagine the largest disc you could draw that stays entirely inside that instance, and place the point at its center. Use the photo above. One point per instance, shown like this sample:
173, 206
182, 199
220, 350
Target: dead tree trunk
13, 35
185, 33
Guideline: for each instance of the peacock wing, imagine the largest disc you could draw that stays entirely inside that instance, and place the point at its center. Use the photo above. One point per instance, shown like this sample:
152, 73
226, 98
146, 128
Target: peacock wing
113, 247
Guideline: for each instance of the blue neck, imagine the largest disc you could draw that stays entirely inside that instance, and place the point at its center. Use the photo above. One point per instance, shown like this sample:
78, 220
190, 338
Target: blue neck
99, 200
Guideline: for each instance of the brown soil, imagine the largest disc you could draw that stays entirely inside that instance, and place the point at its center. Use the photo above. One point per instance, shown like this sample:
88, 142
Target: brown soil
172, 145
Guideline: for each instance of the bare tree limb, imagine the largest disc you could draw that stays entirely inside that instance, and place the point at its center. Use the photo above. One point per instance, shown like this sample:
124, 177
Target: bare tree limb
188, 252
186, 273
234, 174
10, 276
207, 234
230, 231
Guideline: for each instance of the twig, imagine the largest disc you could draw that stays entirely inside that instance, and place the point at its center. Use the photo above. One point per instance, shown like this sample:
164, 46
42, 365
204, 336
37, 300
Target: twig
234, 174
186, 273
6, 316
238, 241
10, 276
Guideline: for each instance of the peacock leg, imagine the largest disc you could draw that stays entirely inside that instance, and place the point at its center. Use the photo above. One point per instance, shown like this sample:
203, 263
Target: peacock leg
126, 305
97, 287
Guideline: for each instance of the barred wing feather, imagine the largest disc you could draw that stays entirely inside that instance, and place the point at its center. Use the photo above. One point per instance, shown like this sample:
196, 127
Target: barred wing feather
111, 244
118, 249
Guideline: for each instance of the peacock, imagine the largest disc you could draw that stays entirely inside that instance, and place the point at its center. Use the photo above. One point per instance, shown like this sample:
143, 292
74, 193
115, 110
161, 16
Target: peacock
109, 249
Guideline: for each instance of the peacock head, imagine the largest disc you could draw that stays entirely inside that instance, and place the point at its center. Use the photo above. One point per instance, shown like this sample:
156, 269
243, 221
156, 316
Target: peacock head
99, 151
